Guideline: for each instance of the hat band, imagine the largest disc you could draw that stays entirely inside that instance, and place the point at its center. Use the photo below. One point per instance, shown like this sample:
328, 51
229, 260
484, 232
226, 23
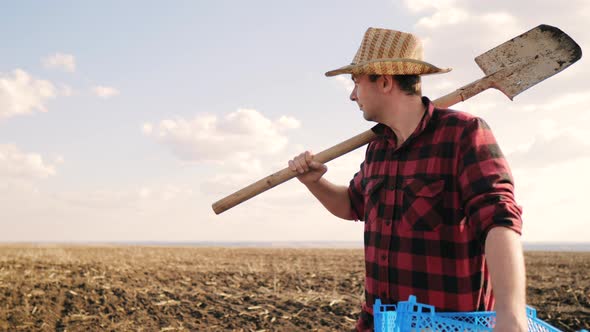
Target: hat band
420, 62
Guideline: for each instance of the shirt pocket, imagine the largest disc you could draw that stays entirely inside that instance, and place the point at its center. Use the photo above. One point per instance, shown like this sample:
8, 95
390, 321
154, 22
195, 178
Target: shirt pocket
372, 196
422, 207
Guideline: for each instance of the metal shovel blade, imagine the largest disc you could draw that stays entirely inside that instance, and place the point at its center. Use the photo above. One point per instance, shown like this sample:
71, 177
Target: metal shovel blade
530, 58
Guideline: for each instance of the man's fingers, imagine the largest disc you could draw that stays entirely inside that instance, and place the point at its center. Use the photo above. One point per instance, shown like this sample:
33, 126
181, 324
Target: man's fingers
308, 157
303, 163
308, 169
300, 164
294, 166
317, 165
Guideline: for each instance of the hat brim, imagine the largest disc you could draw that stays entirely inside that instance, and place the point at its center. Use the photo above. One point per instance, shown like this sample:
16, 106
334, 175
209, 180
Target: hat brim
390, 67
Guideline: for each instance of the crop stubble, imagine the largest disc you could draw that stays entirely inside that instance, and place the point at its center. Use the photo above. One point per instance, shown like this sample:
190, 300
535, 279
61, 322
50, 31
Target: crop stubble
82, 288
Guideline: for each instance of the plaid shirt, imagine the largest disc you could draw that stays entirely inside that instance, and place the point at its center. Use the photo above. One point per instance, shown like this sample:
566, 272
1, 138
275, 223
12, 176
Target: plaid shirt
428, 206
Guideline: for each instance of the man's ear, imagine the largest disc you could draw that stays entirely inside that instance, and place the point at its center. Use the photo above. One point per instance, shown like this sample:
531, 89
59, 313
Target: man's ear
388, 83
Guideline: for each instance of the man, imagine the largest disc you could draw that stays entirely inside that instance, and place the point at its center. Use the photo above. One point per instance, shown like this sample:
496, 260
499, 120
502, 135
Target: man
434, 191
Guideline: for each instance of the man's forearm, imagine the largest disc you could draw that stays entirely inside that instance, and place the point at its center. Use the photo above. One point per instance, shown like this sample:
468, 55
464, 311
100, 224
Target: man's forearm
334, 198
505, 261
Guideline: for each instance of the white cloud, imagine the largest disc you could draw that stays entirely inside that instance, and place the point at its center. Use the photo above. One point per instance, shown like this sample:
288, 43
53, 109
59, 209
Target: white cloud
424, 5
161, 212
105, 91
451, 12
238, 137
20, 94
345, 82
446, 16
552, 195
544, 151
118, 213
147, 128
66, 62
66, 90
227, 182
15, 164
140, 199
569, 101
553, 144
289, 122
59, 160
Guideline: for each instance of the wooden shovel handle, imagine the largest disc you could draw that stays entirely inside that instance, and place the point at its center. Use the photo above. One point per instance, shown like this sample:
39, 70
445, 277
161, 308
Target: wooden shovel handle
336, 151
286, 174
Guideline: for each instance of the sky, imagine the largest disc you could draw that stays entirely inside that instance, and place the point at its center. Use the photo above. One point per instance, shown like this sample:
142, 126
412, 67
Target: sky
126, 120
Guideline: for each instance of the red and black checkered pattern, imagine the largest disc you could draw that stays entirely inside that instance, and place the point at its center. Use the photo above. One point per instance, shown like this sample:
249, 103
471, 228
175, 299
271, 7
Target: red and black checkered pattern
427, 207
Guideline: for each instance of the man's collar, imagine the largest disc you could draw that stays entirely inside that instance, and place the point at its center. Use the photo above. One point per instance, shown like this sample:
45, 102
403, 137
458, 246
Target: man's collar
384, 131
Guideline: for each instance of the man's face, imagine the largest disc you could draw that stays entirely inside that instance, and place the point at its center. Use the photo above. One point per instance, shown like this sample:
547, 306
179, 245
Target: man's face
367, 96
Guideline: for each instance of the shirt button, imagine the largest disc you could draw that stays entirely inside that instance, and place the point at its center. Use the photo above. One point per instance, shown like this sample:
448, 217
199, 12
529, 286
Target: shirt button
387, 223
383, 257
383, 295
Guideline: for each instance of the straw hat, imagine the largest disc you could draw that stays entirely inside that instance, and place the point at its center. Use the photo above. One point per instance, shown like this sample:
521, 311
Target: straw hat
389, 52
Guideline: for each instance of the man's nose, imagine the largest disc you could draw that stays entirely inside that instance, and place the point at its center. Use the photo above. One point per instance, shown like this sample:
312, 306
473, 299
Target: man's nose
353, 94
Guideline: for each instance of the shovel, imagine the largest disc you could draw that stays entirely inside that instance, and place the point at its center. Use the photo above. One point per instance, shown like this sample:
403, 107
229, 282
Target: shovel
511, 67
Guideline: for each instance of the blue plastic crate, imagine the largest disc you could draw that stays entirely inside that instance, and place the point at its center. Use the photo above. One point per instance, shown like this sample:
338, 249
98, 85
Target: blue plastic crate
413, 316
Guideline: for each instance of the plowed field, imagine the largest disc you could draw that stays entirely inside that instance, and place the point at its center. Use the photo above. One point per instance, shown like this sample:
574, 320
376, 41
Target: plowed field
218, 289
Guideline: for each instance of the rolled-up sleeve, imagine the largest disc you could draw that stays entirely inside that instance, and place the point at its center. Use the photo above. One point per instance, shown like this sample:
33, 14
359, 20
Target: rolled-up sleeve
355, 193
486, 183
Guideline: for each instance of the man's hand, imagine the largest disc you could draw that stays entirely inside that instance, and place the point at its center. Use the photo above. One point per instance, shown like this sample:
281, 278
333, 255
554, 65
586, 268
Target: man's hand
504, 323
310, 171
334, 198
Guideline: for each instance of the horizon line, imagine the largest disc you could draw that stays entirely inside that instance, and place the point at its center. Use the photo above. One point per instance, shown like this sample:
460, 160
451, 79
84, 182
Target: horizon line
527, 246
